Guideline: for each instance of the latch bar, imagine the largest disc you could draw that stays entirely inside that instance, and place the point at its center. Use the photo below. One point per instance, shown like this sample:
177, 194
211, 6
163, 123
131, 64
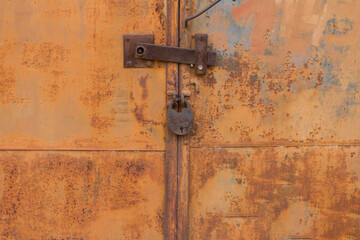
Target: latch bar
169, 54
140, 51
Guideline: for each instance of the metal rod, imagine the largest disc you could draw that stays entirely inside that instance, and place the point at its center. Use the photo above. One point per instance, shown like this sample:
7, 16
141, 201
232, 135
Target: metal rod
201, 12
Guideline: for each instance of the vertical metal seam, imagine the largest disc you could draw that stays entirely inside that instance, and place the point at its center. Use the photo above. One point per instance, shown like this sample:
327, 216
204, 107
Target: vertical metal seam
178, 137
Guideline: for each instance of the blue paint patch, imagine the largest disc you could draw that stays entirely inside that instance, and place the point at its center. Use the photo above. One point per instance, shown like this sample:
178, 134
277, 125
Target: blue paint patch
352, 97
330, 78
342, 110
329, 66
235, 32
342, 49
352, 87
340, 27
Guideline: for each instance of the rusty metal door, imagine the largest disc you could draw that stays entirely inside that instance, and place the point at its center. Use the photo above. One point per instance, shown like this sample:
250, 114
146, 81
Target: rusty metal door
276, 153
86, 154
81, 138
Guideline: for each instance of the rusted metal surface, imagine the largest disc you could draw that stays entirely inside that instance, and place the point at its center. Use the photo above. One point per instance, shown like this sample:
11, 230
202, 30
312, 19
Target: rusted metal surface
201, 53
63, 87
62, 81
287, 73
276, 151
177, 54
183, 187
171, 164
180, 123
275, 193
82, 195
287, 76
184, 141
130, 47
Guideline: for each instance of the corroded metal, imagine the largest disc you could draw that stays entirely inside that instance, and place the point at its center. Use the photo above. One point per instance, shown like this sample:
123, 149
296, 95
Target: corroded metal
136, 46
82, 138
182, 122
82, 195
62, 81
201, 53
171, 153
275, 193
289, 81
173, 54
130, 48
276, 154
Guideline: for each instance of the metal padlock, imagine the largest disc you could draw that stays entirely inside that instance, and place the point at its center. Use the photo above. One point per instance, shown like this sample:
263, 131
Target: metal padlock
180, 123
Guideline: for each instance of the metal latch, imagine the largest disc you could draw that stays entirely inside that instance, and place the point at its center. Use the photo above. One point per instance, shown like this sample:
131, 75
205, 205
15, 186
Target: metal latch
140, 51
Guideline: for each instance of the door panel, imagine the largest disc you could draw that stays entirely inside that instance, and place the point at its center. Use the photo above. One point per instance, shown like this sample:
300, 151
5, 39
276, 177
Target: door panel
287, 73
275, 193
82, 195
276, 150
62, 79
82, 138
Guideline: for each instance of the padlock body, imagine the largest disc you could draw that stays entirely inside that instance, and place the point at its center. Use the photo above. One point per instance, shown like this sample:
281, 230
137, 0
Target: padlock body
180, 123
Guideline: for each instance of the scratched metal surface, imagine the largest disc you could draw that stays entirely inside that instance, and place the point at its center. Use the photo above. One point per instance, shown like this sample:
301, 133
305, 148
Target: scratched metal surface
62, 81
82, 195
288, 73
275, 193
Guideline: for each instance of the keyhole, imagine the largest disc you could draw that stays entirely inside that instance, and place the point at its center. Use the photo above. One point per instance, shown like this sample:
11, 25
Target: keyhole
181, 129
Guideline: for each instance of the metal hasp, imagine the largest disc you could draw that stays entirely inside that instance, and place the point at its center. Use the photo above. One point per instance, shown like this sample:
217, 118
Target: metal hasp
130, 44
139, 51
182, 122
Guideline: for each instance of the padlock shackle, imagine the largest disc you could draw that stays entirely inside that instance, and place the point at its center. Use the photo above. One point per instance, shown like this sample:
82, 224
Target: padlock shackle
176, 100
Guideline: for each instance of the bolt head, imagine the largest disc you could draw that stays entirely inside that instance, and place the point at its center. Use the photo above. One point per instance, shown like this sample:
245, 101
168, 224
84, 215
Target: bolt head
148, 63
200, 67
191, 65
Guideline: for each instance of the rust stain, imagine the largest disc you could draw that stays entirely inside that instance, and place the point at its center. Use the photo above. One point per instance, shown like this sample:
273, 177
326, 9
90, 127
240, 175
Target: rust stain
7, 75
61, 65
143, 81
45, 56
102, 123
7, 84
275, 193
210, 79
248, 91
67, 195
100, 90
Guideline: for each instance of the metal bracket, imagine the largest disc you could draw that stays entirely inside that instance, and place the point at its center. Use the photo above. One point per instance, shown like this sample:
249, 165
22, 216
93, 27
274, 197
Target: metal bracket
130, 44
139, 52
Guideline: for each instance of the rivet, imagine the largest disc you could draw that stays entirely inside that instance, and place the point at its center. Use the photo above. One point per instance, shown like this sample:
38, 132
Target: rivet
200, 67
129, 63
191, 65
148, 63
